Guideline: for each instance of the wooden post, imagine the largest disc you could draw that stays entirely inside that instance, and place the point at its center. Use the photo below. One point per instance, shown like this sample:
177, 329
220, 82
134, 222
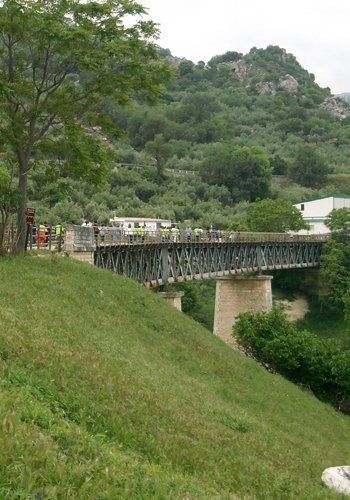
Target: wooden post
50, 236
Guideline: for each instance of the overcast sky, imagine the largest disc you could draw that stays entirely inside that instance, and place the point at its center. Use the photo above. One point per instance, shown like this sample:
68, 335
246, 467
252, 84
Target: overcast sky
317, 32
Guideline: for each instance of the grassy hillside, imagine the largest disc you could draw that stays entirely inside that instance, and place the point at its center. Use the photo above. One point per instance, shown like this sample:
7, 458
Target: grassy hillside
107, 392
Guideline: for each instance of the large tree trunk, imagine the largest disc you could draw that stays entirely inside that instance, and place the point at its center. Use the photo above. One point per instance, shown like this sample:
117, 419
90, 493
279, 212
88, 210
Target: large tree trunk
21, 213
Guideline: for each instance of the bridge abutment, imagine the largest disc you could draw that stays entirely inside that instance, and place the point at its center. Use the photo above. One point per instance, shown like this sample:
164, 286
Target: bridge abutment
173, 298
80, 243
236, 295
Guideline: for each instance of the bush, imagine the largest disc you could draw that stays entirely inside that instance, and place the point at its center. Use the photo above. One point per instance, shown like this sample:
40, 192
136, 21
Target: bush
320, 365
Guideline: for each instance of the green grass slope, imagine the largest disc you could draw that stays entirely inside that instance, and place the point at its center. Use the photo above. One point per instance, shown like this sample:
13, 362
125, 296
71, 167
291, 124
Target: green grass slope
106, 392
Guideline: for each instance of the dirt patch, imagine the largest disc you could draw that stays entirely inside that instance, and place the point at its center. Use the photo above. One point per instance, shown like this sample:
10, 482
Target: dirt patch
295, 309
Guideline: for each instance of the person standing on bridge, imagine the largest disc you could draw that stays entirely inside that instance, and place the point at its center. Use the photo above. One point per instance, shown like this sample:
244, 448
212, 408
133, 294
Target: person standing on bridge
197, 234
103, 233
175, 234
188, 234
59, 230
165, 234
42, 234
142, 233
136, 234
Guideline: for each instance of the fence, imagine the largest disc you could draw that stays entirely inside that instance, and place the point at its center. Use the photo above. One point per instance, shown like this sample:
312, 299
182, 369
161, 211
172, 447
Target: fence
114, 236
36, 238
53, 238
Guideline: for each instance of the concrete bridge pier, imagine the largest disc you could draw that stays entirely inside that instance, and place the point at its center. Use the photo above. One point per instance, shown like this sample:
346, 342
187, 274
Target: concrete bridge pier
173, 298
236, 295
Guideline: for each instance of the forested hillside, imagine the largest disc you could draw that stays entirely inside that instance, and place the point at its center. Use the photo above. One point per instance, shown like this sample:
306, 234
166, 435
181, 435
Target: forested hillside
247, 127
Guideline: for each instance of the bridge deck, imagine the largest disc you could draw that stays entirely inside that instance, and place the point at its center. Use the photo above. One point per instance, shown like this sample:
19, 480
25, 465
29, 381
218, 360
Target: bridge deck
158, 263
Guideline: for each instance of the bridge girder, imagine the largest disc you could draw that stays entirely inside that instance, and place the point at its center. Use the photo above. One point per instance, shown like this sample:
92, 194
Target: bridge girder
164, 263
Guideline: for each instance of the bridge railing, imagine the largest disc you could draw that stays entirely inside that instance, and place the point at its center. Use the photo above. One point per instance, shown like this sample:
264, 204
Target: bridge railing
116, 236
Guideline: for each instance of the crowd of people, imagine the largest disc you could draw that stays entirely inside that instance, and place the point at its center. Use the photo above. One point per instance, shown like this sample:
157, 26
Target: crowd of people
174, 234
43, 233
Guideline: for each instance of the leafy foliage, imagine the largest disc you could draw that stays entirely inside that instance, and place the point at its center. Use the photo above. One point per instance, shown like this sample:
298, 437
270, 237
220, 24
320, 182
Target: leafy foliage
338, 221
274, 216
336, 260
227, 122
244, 171
317, 364
309, 168
58, 60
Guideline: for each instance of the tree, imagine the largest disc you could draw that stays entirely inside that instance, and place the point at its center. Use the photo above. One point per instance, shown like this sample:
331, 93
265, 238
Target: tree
230, 56
185, 67
8, 200
274, 216
161, 150
309, 168
336, 261
58, 60
245, 171
323, 365
338, 221
278, 164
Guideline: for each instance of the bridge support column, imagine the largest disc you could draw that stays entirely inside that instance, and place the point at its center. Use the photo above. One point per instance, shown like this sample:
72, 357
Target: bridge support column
173, 298
80, 243
236, 295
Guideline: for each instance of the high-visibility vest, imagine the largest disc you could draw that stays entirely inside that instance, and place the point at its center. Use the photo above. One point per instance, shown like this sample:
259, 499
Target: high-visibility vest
59, 230
197, 231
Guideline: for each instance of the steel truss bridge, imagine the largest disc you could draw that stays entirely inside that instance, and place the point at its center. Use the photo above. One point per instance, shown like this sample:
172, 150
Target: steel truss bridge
161, 263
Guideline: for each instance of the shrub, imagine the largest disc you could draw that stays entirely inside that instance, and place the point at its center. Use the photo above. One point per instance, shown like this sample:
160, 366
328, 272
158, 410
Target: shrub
320, 365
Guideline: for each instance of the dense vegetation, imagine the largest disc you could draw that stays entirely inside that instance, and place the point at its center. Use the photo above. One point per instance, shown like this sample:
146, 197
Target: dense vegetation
58, 61
241, 132
321, 365
336, 263
107, 392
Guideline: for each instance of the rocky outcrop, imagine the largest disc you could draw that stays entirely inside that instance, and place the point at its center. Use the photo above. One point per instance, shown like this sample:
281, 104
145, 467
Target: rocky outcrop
288, 83
336, 107
338, 479
266, 88
240, 68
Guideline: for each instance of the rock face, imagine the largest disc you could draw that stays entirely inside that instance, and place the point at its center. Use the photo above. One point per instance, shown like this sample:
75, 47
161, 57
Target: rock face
266, 88
240, 68
288, 83
338, 479
337, 108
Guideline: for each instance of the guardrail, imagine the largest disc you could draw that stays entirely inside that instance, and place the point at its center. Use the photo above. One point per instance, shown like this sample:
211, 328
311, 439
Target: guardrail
111, 236
114, 236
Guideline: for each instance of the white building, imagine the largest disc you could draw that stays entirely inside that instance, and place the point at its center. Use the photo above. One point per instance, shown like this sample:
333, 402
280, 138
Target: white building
315, 212
128, 224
